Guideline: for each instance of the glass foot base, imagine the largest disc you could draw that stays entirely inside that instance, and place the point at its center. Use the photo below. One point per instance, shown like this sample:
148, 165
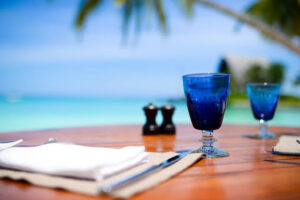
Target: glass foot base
215, 153
260, 136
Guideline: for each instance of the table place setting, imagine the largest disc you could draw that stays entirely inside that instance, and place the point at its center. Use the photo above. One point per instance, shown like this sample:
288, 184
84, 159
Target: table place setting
119, 173
124, 172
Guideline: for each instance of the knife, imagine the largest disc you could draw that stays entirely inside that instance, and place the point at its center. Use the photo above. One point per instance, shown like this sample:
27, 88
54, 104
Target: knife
107, 188
9, 143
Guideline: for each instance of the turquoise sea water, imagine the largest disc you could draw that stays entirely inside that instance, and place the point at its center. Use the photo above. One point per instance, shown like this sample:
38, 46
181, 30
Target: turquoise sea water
47, 113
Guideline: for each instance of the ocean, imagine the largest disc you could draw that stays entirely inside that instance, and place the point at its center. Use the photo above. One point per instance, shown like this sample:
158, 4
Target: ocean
39, 113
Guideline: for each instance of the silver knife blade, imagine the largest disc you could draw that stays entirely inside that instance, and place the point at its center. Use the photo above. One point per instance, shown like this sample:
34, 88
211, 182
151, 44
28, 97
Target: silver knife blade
9, 143
107, 188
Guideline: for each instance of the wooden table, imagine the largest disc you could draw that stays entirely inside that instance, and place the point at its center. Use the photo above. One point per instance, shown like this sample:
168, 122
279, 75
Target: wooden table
244, 175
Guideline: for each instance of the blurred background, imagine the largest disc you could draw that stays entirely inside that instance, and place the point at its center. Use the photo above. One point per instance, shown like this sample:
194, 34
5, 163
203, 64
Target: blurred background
98, 62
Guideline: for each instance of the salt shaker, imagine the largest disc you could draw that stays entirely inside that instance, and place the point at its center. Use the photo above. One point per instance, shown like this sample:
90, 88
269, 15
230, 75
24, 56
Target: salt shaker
167, 127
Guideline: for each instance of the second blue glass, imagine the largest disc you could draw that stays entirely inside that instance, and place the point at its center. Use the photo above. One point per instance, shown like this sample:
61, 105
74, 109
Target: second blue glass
206, 97
263, 100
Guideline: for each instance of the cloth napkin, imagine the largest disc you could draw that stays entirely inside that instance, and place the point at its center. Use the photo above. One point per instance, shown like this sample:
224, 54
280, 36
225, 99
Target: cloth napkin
287, 144
91, 187
73, 160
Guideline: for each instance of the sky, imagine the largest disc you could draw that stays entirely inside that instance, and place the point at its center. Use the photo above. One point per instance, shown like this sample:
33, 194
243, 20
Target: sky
42, 54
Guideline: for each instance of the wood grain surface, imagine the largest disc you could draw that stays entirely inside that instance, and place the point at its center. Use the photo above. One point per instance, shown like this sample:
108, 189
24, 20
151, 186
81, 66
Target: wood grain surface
250, 172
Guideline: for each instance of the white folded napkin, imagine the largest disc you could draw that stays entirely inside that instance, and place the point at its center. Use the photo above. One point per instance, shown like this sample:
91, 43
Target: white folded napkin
287, 144
73, 160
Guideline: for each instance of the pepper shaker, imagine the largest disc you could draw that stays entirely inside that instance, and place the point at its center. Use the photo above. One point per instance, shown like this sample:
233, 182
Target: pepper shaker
150, 127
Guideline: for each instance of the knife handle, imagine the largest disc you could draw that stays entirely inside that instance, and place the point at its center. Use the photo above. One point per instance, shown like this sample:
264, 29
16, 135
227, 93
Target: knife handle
107, 188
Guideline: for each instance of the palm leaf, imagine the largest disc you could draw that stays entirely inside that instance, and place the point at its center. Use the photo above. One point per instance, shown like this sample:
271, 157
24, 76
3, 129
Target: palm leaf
119, 2
127, 13
86, 7
138, 5
188, 7
281, 15
161, 15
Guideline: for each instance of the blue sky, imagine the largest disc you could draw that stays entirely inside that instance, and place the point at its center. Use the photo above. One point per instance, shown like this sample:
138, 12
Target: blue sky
41, 53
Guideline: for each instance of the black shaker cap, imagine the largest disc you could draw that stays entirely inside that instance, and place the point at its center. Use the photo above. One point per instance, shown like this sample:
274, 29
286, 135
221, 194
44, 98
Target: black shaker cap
168, 107
150, 106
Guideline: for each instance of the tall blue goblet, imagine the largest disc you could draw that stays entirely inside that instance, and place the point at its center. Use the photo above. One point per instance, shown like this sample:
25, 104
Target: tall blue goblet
206, 97
263, 100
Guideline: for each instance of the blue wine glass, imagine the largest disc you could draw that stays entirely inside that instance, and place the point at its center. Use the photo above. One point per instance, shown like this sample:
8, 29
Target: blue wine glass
206, 97
263, 100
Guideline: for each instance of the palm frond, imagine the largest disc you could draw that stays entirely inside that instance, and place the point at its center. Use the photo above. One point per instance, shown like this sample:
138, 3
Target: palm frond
161, 15
119, 2
281, 15
138, 5
127, 13
85, 9
187, 6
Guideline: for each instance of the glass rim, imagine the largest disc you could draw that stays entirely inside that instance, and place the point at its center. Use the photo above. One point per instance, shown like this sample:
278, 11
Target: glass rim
263, 84
206, 75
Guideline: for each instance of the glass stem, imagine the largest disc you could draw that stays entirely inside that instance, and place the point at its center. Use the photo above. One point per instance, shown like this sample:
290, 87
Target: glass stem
263, 128
208, 142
